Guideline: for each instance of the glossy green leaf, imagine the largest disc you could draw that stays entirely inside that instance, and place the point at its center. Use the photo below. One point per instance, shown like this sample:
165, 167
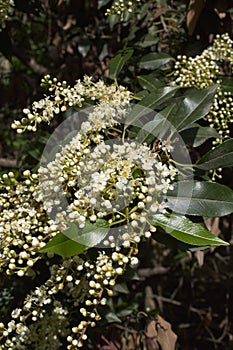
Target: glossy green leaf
149, 82
74, 240
220, 157
90, 235
150, 101
208, 199
157, 127
118, 62
197, 135
169, 241
62, 245
159, 96
154, 60
184, 230
193, 107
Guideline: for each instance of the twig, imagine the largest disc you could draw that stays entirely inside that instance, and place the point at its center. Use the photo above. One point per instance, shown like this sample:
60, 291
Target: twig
30, 62
167, 300
152, 271
163, 24
8, 163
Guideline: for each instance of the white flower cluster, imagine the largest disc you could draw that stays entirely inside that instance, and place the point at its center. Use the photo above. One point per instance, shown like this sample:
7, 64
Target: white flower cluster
98, 175
6, 9
205, 70
220, 115
115, 182
47, 312
63, 97
121, 7
223, 48
200, 71
23, 223
46, 333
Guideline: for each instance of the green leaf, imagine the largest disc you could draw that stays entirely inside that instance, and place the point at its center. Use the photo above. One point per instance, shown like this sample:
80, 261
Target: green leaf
121, 288
35, 153
197, 135
74, 240
130, 274
90, 235
62, 245
227, 84
154, 60
84, 45
112, 317
141, 94
193, 108
148, 40
157, 127
220, 157
208, 199
171, 242
156, 98
113, 21
150, 101
103, 53
125, 312
118, 62
149, 82
185, 230
102, 3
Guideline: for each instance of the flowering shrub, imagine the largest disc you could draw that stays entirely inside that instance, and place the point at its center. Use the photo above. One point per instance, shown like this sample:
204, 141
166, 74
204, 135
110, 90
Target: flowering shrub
114, 176
128, 175
102, 192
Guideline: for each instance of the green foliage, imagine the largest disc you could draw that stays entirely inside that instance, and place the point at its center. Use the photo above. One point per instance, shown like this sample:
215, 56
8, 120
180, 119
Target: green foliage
75, 241
202, 198
196, 135
154, 60
219, 157
64, 246
150, 82
175, 117
192, 108
184, 230
119, 61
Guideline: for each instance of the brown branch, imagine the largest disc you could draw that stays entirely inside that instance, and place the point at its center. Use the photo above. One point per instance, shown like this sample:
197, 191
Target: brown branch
8, 163
148, 272
29, 62
36, 67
